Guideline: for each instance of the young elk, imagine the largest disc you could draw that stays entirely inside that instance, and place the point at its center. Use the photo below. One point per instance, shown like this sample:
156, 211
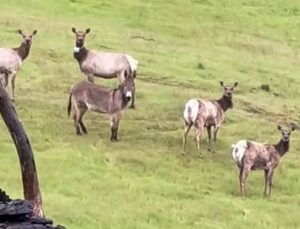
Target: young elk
206, 114
11, 59
102, 64
250, 155
86, 96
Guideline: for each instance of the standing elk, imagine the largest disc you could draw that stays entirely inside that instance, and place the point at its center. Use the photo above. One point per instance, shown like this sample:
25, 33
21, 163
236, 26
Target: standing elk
106, 65
250, 155
206, 114
86, 96
11, 59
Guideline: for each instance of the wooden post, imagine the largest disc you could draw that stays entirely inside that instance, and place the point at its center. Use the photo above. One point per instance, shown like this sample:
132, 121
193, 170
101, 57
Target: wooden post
30, 181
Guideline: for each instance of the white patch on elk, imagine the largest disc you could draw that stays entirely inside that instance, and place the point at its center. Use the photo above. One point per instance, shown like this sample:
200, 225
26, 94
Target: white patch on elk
238, 151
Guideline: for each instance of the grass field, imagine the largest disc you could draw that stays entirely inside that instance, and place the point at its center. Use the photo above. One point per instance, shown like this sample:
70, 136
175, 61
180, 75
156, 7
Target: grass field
142, 181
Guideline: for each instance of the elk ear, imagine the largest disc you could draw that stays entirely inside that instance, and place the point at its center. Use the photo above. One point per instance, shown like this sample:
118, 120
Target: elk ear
222, 83
73, 30
235, 84
279, 127
19, 31
87, 30
34, 32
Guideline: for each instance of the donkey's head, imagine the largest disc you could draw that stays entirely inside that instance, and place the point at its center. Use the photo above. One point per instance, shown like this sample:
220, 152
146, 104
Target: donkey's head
228, 90
27, 39
128, 86
286, 132
80, 36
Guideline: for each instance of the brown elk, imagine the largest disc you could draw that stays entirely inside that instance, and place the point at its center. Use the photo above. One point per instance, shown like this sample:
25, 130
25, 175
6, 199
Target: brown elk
11, 59
86, 96
250, 155
102, 64
206, 114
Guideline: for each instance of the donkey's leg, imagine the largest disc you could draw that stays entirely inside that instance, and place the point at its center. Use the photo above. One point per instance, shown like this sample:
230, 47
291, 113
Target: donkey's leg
114, 127
82, 126
187, 128
76, 116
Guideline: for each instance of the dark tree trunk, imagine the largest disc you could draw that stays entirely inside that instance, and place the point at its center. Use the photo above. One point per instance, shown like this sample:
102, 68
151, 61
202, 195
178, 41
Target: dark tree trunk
29, 174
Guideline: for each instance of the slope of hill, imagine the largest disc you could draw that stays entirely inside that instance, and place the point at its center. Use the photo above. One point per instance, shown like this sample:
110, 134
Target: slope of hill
142, 181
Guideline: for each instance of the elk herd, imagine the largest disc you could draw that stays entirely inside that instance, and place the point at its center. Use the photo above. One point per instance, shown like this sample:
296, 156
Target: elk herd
198, 113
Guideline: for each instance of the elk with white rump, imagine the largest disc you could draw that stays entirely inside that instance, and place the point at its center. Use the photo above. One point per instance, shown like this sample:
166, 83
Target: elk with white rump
206, 114
250, 155
106, 65
86, 96
11, 59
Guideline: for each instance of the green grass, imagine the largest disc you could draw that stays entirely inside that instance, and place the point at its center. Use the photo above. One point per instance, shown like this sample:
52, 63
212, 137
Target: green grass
142, 181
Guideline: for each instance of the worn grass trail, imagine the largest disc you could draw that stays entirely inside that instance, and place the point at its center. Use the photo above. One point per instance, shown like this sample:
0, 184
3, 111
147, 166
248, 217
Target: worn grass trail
143, 181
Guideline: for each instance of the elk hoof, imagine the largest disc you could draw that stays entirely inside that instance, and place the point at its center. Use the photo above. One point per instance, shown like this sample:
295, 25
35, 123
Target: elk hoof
132, 107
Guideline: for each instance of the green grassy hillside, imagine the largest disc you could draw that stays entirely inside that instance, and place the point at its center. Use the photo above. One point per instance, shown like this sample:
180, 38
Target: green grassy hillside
142, 181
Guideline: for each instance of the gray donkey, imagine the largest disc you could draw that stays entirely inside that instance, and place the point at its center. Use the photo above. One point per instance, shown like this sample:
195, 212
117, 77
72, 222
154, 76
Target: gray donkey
102, 64
11, 59
86, 96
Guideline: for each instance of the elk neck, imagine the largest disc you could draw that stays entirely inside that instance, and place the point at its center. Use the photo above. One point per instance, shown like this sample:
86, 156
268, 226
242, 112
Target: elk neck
81, 54
282, 147
23, 50
225, 103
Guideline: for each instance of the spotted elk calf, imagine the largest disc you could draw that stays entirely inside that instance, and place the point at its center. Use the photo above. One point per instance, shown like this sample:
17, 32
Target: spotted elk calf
250, 155
207, 114
86, 96
102, 64
11, 59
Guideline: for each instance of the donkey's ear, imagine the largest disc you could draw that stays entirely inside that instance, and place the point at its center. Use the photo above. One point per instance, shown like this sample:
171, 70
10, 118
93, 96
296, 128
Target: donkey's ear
222, 83
34, 32
19, 31
73, 30
235, 84
87, 30
279, 127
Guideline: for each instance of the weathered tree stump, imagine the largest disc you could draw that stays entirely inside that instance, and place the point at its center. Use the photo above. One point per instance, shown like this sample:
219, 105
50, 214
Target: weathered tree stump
29, 174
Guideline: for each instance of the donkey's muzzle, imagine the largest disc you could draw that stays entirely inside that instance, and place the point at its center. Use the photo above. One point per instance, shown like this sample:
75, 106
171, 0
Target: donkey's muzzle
128, 95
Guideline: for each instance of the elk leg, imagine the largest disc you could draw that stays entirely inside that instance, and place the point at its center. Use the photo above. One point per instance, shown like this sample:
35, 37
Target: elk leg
245, 173
270, 178
13, 82
6, 80
266, 181
187, 128
216, 132
90, 78
133, 99
208, 128
198, 137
